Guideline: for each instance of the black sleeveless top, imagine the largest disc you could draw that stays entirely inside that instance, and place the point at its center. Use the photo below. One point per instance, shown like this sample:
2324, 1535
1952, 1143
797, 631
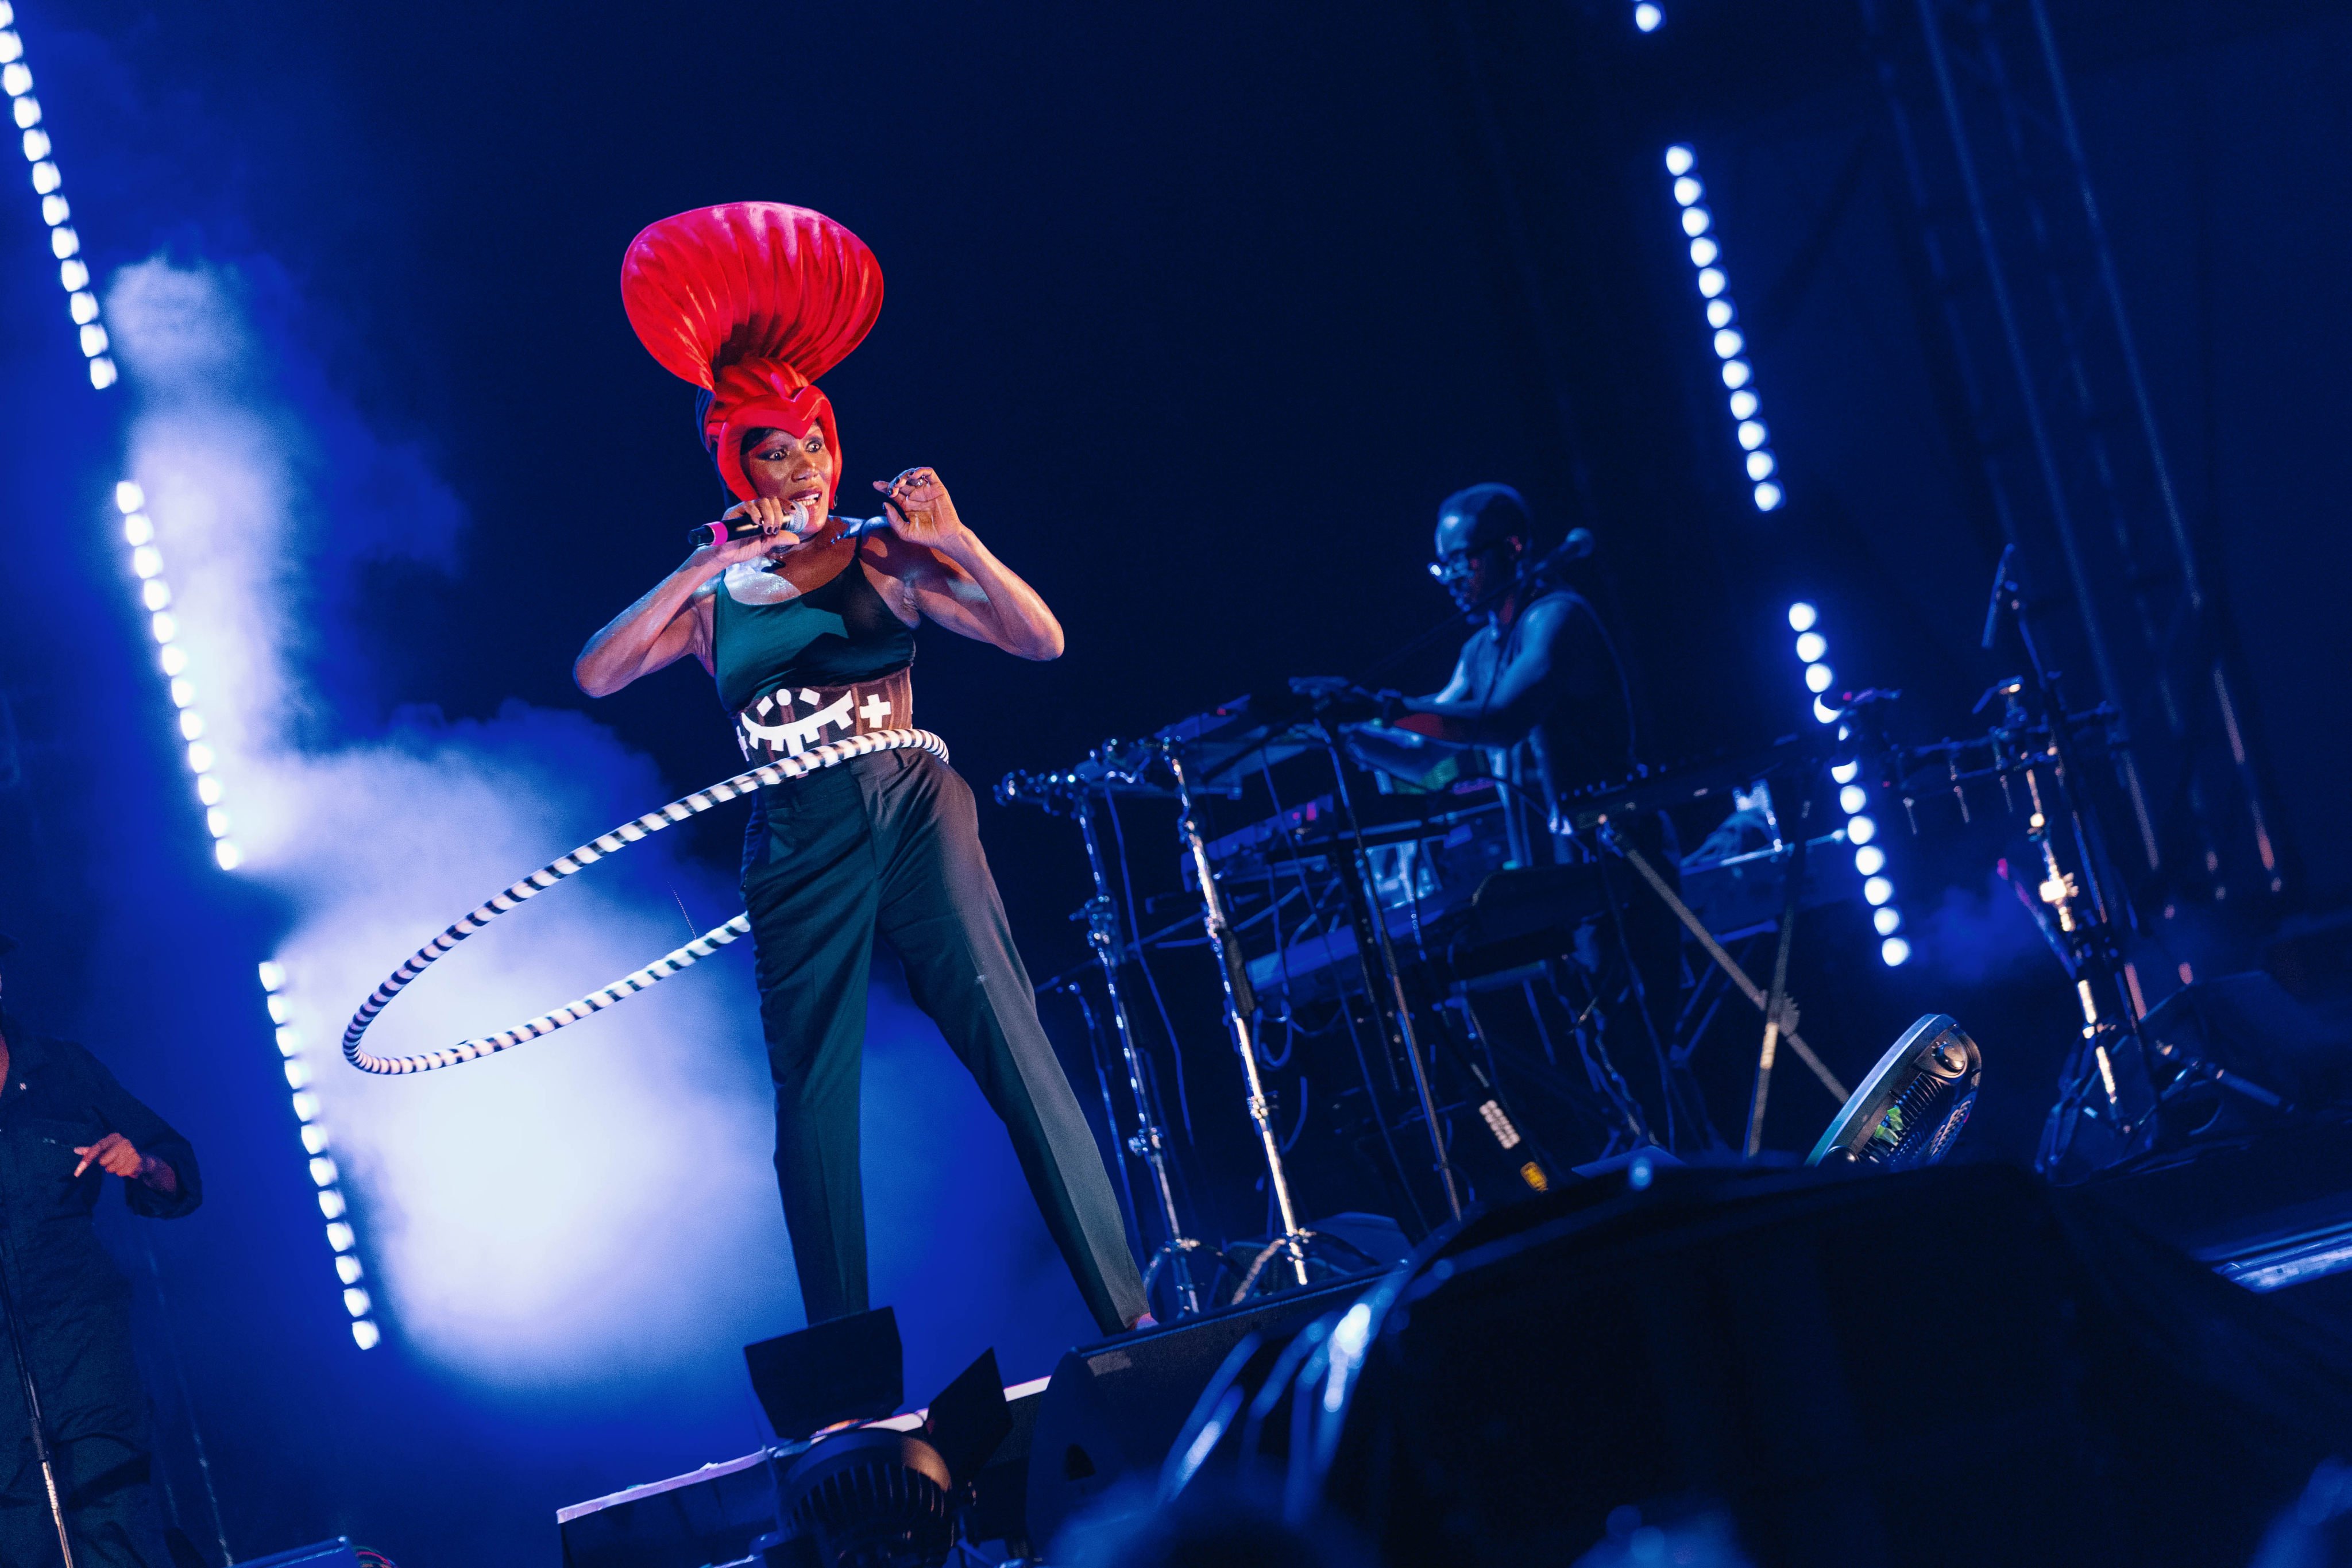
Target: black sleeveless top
837, 634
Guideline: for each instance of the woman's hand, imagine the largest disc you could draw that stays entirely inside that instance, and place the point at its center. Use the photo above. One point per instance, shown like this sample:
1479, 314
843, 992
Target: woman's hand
776, 538
921, 513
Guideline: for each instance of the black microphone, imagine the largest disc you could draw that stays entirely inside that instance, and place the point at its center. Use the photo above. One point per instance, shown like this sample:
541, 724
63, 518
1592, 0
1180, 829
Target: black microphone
748, 528
1999, 588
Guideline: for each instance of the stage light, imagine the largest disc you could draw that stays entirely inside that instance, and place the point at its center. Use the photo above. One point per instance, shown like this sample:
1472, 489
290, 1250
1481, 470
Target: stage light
1648, 17
331, 1205
1752, 434
183, 692
93, 340
1703, 252
45, 178
73, 276
217, 821
298, 1073
1803, 617
1679, 160
314, 1139
16, 79
322, 1171
1894, 951
347, 1269
355, 1301
1718, 312
11, 46
54, 210
364, 1334
1845, 772
146, 561
306, 1107
192, 725
1869, 859
1727, 343
1743, 405
64, 242
1823, 713
340, 1236
273, 975
227, 856
82, 307
1877, 891
172, 660
1851, 799
208, 789
37, 145
128, 497
28, 111
1886, 919
1759, 465
156, 593
1818, 677
1734, 374
1811, 647
200, 758
102, 373
1694, 222
1687, 190
1710, 281
1860, 830
137, 529
280, 1008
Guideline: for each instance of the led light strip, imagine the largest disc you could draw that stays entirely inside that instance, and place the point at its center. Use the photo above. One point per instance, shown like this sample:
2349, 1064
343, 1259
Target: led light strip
323, 1173
1854, 796
1739, 375
16, 78
155, 595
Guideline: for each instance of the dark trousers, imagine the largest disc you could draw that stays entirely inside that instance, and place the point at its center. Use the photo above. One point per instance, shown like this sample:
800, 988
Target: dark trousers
889, 844
80, 1351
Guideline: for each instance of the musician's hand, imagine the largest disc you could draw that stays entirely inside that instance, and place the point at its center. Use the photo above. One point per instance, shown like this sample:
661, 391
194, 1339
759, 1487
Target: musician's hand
921, 510
113, 1155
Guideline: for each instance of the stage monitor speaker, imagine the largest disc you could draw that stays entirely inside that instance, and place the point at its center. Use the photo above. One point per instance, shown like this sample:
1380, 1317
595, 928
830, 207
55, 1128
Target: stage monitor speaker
1112, 1409
850, 1368
1938, 1368
336, 1553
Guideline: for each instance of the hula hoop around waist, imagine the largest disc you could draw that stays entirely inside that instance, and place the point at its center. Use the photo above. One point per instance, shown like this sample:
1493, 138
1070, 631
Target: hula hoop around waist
817, 757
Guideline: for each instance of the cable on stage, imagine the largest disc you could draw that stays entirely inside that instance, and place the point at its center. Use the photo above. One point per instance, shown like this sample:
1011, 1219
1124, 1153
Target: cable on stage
815, 759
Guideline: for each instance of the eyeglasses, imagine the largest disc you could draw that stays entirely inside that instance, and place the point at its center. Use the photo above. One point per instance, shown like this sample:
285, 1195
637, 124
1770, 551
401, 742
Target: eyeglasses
1455, 566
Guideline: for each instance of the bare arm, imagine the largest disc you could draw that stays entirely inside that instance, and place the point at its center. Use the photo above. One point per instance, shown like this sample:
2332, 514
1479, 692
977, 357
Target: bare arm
943, 570
1515, 701
667, 624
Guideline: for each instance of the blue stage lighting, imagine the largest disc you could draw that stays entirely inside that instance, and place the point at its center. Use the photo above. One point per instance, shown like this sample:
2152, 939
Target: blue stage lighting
1877, 889
1803, 617
1648, 17
1818, 677
1768, 497
1894, 951
1860, 830
1679, 160
1869, 859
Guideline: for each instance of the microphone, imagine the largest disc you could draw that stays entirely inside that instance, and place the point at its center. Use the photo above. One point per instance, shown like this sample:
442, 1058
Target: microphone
2001, 587
748, 527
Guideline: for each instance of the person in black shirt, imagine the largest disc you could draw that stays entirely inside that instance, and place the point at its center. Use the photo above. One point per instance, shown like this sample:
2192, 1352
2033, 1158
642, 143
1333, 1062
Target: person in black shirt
65, 1127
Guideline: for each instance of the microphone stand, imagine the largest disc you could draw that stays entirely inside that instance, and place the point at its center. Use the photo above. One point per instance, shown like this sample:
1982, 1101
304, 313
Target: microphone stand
33, 1404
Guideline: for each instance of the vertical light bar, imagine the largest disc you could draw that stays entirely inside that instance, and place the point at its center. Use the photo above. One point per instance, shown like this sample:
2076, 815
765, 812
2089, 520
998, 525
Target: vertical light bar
333, 1206
1723, 315
155, 597
1853, 795
65, 241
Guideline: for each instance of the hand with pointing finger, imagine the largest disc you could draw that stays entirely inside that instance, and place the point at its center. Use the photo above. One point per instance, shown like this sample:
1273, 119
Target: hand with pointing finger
115, 1155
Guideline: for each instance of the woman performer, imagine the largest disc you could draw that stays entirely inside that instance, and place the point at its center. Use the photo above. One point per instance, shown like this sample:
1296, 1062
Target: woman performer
809, 631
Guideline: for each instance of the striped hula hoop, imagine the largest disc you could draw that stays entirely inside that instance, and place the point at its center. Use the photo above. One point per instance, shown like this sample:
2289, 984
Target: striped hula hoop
828, 755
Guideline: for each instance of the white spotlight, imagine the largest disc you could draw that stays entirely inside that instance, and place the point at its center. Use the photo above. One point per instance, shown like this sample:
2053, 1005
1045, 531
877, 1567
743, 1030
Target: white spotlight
366, 1336
1851, 799
227, 856
217, 822
45, 178
137, 529
1704, 251
1727, 343
73, 275
1823, 713
146, 561
330, 1202
1887, 919
1869, 859
1861, 830
1818, 677
155, 593
82, 307
1743, 405
1810, 647
1647, 16
1695, 223
340, 1236
54, 210
1679, 160
37, 145
1687, 190
1895, 952
1734, 372
102, 373
273, 975
208, 790
1768, 497
1845, 772
323, 1169
128, 497
1759, 465
347, 1270
1720, 312
1877, 891
1710, 281
1752, 434
16, 79
1802, 616
200, 757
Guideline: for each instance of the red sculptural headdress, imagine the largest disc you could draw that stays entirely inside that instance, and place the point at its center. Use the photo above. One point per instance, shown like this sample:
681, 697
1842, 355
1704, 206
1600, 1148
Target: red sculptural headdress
751, 301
